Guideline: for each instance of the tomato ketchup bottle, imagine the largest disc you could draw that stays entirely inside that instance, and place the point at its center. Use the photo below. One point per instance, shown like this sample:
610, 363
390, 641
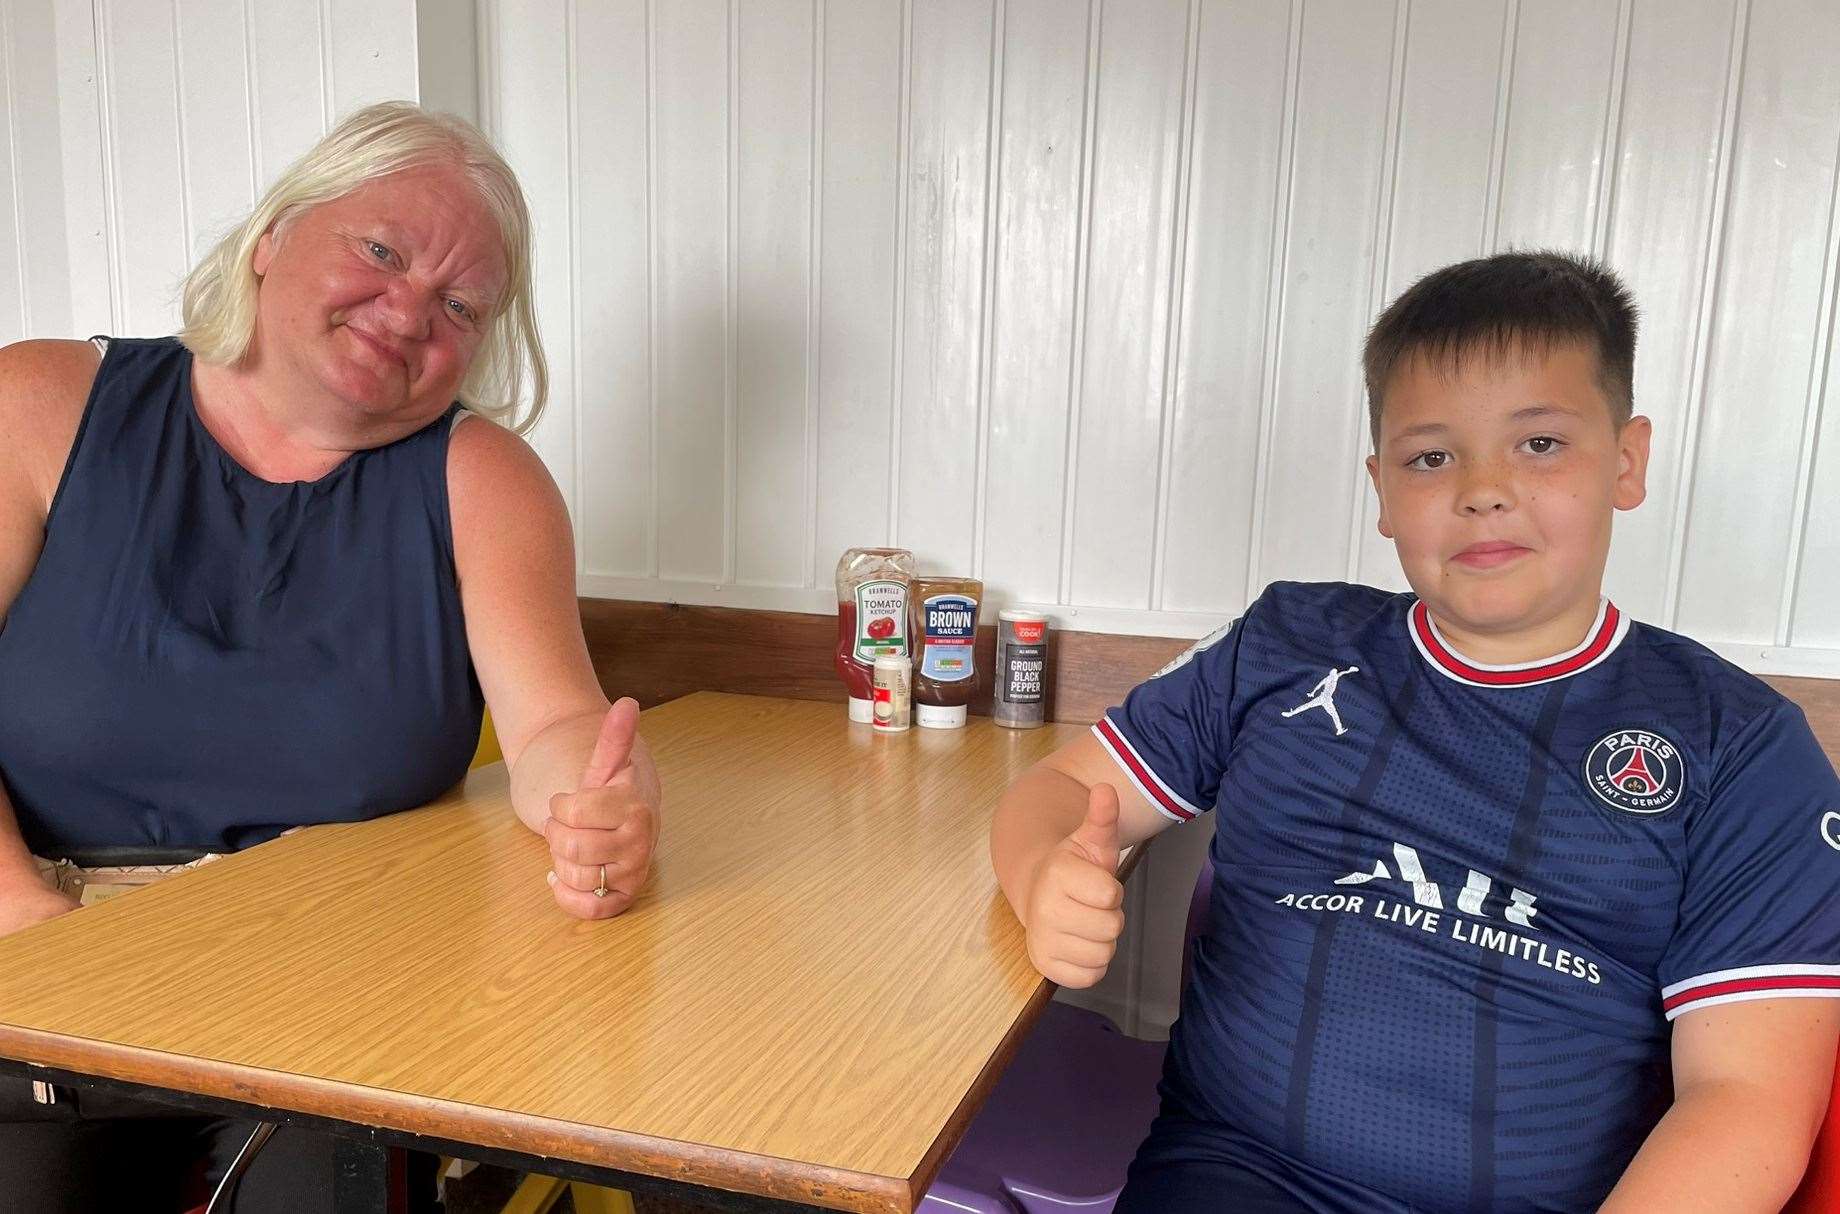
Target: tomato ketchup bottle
872, 586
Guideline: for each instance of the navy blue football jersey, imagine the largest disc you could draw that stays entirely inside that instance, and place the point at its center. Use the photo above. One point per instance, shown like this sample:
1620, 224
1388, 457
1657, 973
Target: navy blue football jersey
1455, 905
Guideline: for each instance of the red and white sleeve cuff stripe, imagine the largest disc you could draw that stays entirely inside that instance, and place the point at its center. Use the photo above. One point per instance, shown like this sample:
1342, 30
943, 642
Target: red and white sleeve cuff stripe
1159, 794
1751, 982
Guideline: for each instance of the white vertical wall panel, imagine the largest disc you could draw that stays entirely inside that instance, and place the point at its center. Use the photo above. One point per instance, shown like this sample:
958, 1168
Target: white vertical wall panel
1235, 184
1045, 95
135, 60
942, 304
13, 275
82, 182
1301, 519
1440, 189
533, 108
369, 51
136, 132
772, 281
291, 97
1124, 332
447, 55
613, 529
34, 165
1565, 54
1815, 623
861, 125
1663, 238
691, 47
1438, 204
213, 85
1751, 438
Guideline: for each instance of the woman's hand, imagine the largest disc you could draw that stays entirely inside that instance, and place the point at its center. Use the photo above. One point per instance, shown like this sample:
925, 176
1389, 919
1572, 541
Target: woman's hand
601, 836
31, 902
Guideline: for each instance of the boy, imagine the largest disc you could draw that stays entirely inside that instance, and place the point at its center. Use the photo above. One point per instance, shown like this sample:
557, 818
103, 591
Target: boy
1516, 902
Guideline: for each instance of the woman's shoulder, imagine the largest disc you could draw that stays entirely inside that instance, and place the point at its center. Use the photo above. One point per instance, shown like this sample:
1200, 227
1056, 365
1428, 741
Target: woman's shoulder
496, 482
48, 363
44, 386
484, 456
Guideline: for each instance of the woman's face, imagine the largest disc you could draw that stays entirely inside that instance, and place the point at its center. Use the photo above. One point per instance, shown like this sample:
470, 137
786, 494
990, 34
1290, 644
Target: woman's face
379, 300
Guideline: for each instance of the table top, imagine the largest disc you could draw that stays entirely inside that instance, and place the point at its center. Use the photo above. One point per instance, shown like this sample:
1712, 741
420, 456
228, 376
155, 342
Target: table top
808, 1001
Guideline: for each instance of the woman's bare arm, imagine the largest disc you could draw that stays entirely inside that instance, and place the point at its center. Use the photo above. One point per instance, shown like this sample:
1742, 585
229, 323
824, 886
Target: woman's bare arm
43, 388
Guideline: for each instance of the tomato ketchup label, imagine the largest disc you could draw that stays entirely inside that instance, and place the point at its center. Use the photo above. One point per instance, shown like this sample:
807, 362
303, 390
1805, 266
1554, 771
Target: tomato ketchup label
881, 614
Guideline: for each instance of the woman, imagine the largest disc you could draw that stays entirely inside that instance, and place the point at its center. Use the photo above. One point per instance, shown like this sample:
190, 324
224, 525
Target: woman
258, 576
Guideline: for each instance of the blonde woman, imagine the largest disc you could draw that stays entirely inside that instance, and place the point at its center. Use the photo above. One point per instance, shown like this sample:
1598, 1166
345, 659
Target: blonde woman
261, 575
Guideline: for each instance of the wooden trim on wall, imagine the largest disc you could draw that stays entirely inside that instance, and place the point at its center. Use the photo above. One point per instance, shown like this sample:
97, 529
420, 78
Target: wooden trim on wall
656, 652
1820, 700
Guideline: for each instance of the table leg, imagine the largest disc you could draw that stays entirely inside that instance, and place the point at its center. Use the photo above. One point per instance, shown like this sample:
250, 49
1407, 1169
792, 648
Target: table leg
368, 1178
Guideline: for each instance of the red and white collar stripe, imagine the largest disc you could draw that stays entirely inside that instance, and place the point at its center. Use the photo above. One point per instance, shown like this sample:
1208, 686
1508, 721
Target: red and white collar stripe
1606, 633
1751, 982
1167, 801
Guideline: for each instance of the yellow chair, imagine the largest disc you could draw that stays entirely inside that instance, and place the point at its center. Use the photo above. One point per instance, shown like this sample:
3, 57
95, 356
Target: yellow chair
539, 1194
488, 751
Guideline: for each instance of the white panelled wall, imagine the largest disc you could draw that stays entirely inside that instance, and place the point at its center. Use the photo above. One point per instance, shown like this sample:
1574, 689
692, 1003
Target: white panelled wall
1069, 294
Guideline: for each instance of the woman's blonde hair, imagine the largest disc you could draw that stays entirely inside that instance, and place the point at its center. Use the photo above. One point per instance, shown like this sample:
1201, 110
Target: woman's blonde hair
509, 380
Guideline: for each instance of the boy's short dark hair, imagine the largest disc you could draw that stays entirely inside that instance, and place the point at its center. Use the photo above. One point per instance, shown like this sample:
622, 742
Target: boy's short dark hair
1510, 303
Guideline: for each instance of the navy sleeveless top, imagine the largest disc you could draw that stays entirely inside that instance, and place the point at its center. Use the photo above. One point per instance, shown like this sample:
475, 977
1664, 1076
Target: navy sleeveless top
202, 658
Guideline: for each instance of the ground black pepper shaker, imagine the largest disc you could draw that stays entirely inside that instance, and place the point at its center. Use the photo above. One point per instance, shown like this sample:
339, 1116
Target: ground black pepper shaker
1022, 669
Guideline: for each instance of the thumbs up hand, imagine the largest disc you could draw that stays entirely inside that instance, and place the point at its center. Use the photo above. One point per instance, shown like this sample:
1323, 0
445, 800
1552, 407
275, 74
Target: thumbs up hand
602, 835
1073, 920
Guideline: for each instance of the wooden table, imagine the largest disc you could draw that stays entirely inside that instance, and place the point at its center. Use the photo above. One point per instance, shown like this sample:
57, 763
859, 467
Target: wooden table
806, 1006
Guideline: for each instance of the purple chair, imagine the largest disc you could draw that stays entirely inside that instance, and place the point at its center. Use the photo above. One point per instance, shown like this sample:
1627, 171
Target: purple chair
1063, 1122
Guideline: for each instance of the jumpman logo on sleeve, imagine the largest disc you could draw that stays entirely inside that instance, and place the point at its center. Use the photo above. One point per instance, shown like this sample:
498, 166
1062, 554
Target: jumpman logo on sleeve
1323, 696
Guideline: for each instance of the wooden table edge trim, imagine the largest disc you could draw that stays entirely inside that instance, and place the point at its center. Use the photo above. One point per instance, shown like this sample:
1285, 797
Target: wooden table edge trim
999, 1061
978, 1092
666, 1159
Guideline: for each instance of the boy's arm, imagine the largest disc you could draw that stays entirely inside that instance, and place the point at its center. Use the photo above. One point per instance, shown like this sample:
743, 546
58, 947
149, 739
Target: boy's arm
1054, 843
1751, 1082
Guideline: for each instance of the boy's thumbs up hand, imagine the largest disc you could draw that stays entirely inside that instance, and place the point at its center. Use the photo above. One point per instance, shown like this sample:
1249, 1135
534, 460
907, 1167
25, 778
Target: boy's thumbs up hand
601, 836
1098, 834
1073, 919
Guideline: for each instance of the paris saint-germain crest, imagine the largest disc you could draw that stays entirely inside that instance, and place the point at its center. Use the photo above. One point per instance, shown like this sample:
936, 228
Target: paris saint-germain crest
1637, 771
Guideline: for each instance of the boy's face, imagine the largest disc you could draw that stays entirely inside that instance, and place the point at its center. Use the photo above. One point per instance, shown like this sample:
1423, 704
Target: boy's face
1497, 484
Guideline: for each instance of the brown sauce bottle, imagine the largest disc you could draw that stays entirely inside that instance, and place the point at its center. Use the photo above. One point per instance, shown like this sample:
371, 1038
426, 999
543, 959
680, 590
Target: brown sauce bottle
942, 625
